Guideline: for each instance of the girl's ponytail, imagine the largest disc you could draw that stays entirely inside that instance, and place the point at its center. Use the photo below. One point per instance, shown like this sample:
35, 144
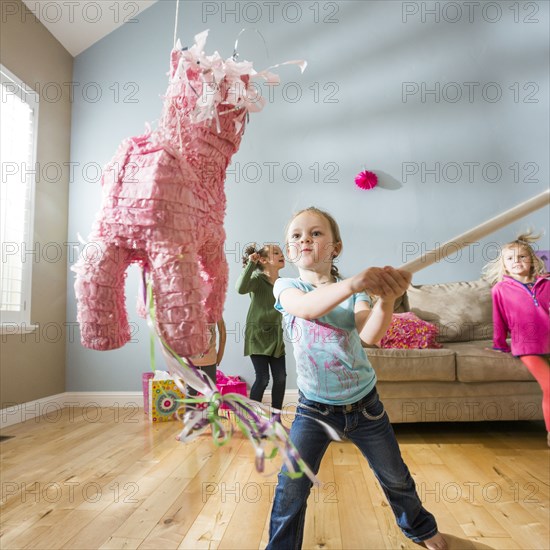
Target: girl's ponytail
253, 249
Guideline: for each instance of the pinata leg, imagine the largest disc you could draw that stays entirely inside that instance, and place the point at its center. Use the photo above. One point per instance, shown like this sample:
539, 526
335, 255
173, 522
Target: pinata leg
215, 268
178, 298
100, 288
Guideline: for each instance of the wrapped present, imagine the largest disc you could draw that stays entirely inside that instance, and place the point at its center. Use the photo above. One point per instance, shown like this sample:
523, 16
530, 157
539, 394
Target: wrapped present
164, 401
230, 384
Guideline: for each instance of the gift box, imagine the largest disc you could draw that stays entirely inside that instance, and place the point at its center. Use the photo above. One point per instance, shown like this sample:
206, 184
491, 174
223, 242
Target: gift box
235, 387
230, 384
164, 400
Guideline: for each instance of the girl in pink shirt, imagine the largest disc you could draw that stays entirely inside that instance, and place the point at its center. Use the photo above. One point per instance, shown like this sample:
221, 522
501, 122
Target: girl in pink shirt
521, 298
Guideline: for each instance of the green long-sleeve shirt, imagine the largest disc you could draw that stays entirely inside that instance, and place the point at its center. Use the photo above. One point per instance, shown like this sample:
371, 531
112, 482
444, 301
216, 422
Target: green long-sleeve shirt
264, 331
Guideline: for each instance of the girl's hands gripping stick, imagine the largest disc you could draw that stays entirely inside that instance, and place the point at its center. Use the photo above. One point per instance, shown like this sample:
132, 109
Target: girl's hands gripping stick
386, 282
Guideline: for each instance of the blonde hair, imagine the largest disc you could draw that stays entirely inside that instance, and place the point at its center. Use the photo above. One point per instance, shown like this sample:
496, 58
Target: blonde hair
494, 271
333, 227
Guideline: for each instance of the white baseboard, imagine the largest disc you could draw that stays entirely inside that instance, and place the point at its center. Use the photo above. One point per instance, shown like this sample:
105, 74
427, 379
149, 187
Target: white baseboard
52, 405
104, 398
13, 414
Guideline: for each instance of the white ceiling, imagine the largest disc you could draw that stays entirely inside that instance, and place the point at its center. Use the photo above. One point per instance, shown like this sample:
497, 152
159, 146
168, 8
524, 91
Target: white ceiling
78, 24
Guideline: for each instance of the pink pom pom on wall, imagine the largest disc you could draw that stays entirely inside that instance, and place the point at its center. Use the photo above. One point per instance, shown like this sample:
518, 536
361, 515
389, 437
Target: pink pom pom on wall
366, 180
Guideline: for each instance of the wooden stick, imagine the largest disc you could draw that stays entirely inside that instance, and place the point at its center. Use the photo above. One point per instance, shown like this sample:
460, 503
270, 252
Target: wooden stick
474, 235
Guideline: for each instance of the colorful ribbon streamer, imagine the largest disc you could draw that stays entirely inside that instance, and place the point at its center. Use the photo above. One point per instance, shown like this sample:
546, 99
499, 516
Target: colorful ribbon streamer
266, 433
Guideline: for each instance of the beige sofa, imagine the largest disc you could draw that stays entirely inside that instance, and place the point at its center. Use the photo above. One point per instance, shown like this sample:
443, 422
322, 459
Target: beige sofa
465, 380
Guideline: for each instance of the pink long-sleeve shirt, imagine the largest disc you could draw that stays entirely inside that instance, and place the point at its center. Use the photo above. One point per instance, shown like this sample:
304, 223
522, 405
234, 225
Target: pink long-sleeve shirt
522, 312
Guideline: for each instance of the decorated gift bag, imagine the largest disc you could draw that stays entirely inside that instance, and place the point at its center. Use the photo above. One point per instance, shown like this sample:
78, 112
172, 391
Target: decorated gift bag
164, 398
145, 377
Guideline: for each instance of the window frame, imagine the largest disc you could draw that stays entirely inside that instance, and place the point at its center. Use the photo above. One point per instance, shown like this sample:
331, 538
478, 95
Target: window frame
20, 321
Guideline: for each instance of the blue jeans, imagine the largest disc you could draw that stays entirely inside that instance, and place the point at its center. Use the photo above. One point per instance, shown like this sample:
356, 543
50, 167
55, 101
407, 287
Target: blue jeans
366, 424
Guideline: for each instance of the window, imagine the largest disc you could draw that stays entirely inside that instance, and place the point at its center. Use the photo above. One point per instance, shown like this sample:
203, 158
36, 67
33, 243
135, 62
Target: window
18, 129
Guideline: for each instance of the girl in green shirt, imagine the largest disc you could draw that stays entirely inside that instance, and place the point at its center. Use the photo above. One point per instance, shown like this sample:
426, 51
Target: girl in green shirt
263, 340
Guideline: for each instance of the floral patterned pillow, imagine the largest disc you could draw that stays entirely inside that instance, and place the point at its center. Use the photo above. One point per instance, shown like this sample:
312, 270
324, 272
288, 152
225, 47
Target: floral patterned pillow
407, 331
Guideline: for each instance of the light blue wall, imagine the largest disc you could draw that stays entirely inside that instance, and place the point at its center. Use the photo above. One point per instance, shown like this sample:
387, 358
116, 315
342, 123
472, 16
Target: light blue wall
352, 115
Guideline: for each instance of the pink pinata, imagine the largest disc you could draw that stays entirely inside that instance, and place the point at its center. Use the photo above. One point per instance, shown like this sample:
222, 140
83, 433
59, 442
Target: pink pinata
164, 207
366, 180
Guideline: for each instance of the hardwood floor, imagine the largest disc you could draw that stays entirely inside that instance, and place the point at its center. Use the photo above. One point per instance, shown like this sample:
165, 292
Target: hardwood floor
106, 478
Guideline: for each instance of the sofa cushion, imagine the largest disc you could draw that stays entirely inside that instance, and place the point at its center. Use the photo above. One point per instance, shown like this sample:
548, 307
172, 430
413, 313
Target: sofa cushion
407, 331
462, 311
477, 362
398, 365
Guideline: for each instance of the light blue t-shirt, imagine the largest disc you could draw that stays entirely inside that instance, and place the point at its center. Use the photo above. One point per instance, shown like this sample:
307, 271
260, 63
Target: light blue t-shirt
332, 366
